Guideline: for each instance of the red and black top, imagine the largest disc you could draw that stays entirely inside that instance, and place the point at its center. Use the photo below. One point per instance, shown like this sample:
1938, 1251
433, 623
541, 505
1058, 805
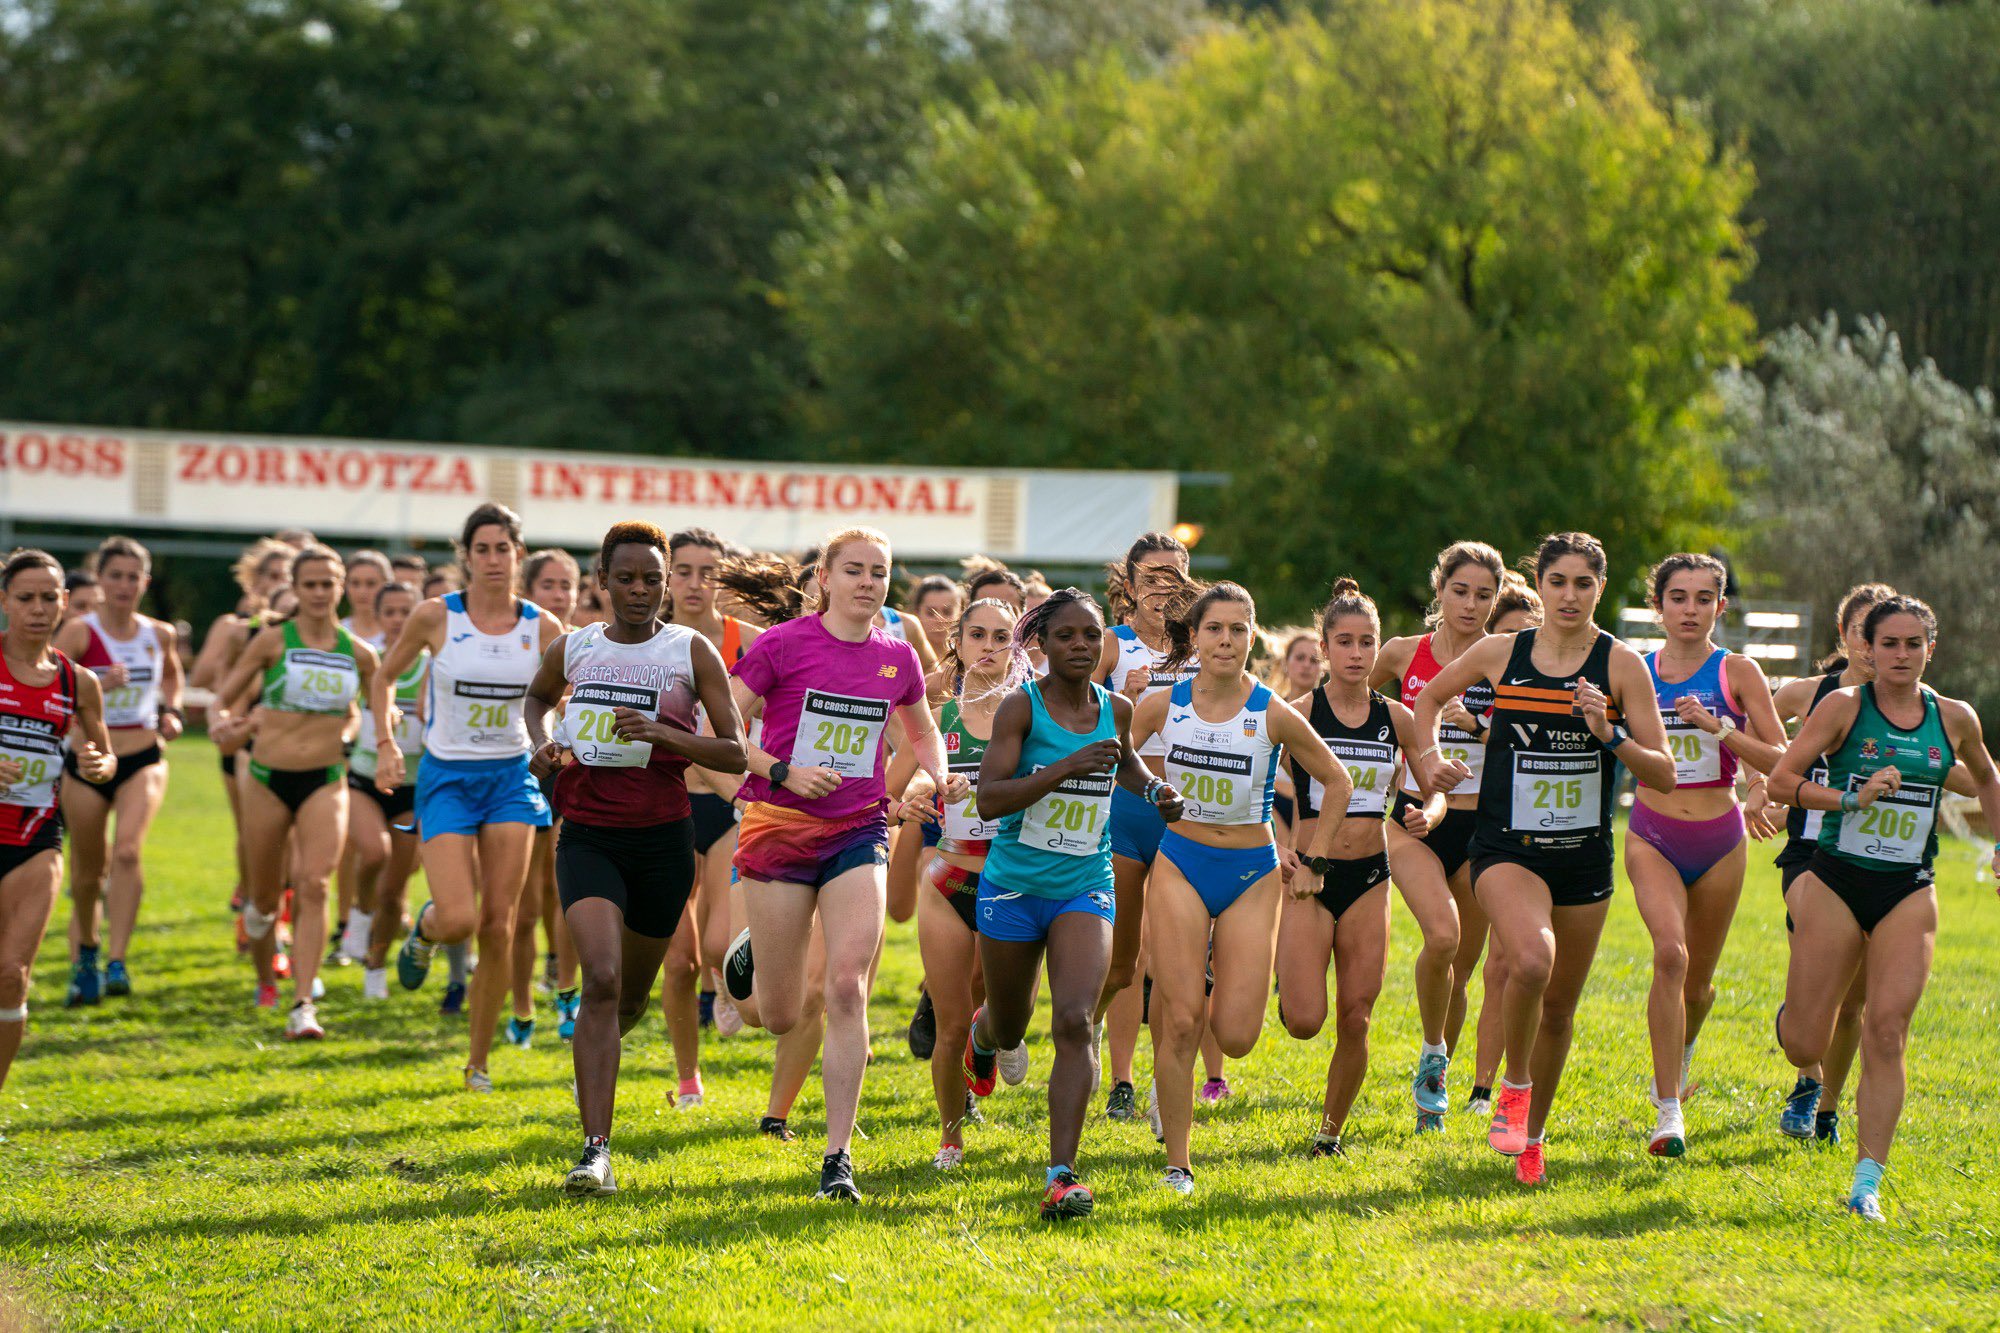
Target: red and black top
33, 719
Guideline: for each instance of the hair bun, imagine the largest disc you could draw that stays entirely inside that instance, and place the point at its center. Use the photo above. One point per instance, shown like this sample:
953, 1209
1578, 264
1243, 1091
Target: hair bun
1345, 586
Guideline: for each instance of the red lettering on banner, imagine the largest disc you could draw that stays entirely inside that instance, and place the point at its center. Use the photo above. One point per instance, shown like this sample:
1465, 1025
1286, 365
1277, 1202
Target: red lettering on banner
847, 493
722, 488
954, 502
460, 481
202, 463
761, 495
788, 491
883, 493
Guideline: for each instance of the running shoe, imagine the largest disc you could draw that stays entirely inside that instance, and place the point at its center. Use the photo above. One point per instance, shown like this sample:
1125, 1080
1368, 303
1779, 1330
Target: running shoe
972, 1114
592, 1173
1480, 1103
1529, 1169
302, 1024
1326, 1145
1867, 1207
267, 995
281, 965
948, 1158
354, 939
1067, 1198
923, 1027
1153, 1112
836, 1178
568, 1005
728, 1018
690, 1094
116, 980
336, 950
1508, 1134
374, 983
521, 1032
1428, 1086
1014, 1065
739, 969
477, 1080
85, 983
1123, 1103
1215, 1090
979, 1069
318, 987
413, 960
1826, 1129
704, 1009
452, 1004
774, 1126
1801, 1107
1178, 1179
1669, 1134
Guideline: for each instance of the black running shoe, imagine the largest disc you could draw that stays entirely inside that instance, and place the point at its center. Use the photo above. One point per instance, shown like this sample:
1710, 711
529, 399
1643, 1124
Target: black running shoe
1826, 1129
1326, 1145
705, 1008
1123, 1103
923, 1027
775, 1127
738, 971
836, 1178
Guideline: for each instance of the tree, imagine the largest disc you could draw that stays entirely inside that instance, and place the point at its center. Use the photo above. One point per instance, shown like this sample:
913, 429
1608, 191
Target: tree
1423, 270
533, 222
1857, 467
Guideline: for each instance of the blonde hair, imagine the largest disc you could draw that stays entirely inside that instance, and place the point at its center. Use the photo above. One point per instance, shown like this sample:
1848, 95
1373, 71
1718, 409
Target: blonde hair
244, 571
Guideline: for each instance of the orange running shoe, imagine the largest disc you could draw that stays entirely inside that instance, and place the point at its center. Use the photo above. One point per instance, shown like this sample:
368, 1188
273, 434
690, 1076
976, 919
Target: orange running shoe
1508, 1134
1528, 1167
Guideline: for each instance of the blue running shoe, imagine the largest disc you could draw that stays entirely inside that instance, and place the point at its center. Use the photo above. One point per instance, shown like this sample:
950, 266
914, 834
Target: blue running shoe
520, 1032
567, 1005
1867, 1207
1796, 1121
413, 960
117, 981
453, 1003
1428, 1085
84, 982
1826, 1129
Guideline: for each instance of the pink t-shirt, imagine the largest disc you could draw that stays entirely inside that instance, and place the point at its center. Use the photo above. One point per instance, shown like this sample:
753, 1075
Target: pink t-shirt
827, 704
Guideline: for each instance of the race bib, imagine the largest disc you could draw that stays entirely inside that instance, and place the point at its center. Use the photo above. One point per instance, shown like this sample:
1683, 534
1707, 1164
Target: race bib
1072, 818
489, 712
41, 765
593, 724
1216, 787
1371, 768
1814, 818
1697, 755
1896, 828
319, 682
126, 705
839, 732
961, 821
1557, 793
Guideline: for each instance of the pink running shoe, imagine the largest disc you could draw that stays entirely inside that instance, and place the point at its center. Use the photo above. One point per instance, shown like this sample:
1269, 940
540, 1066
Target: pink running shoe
1508, 1134
1528, 1167
1215, 1090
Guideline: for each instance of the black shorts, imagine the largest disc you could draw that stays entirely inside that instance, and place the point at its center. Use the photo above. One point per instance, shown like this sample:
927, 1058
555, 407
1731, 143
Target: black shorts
1869, 894
396, 806
714, 817
1347, 881
295, 786
1569, 886
1451, 840
48, 838
129, 766
648, 872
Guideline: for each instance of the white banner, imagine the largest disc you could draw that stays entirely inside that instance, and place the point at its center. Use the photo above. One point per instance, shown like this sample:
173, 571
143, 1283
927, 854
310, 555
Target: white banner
386, 491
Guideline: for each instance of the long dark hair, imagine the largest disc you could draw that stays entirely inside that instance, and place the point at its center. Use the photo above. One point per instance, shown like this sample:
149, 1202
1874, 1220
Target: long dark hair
769, 585
1119, 574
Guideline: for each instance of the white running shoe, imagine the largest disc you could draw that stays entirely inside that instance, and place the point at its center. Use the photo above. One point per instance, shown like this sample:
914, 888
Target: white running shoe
948, 1157
687, 1101
319, 987
302, 1024
592, 1175
1014, 1065
728, 1018
1153, 1115
354, 940
1669, 1137
1178, 1179
477, 1080
375, 983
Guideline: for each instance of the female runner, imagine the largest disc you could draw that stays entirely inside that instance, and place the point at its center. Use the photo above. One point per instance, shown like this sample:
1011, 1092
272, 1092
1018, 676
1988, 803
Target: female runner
477, 804
1866, 901
1431, 869
1058, 746
42, 695
1345, 922
304, 677
367, 573
1684, 849
815, 840
137, 662
1213, 901
1541, 847
550, 578
381, 825
626, 859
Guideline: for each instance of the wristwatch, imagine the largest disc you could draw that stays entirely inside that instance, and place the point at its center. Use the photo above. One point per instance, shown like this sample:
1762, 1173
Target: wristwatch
1727, 725
779, 772
1319, 865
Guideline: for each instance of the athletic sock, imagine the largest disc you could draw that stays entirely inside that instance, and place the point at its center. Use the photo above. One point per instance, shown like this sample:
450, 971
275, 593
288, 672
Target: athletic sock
1055, 1171
689, 1085
1867, 1177
457, 956
1512, 1086
1482, 1094
1435, 1048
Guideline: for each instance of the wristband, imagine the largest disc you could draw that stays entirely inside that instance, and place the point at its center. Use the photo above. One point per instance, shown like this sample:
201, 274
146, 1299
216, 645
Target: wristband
1153, 790
1435, 748
1850, 802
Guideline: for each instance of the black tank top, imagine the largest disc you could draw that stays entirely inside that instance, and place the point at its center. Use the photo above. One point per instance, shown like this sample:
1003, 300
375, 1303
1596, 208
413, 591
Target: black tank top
1545, 792
1368, 752
1802, 826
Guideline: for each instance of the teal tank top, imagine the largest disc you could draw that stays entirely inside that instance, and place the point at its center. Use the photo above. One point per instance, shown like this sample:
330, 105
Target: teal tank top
1059, 847
1899, 831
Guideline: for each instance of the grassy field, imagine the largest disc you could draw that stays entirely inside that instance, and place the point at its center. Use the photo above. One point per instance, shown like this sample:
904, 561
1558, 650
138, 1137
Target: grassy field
167, 1160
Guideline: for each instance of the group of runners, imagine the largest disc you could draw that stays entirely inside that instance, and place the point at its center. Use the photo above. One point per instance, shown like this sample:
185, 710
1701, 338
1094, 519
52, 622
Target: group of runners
723, 772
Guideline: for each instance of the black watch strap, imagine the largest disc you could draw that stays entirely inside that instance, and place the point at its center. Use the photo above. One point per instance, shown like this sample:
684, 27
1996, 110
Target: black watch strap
1319, 865
779, 772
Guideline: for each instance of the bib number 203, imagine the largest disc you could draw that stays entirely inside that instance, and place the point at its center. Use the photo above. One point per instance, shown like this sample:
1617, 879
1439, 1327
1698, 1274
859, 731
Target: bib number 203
841, 738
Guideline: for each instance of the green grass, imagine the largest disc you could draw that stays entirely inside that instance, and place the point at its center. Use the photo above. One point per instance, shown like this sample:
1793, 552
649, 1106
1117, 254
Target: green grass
168, 1160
